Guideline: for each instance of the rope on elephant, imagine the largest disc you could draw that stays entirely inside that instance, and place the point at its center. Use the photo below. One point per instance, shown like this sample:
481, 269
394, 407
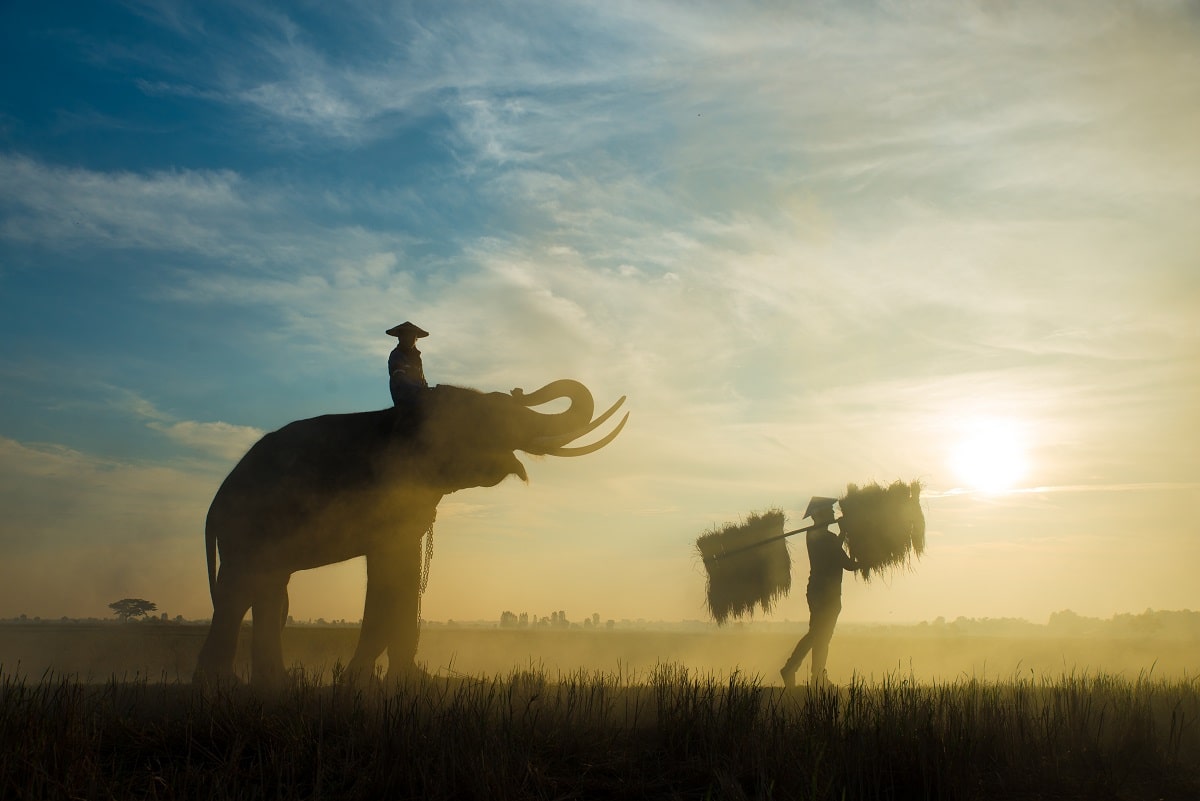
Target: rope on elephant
424, 580
428, 558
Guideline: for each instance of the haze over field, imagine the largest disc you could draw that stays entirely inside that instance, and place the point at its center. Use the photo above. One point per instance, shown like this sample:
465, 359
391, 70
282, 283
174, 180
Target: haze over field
812, 244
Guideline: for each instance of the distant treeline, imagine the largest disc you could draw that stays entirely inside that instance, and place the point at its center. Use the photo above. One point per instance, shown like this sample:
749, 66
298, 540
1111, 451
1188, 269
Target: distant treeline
1162, 623
1151, 623
1183, 624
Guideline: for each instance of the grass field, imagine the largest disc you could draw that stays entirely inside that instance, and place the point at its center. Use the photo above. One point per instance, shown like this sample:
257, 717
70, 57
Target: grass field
675, 729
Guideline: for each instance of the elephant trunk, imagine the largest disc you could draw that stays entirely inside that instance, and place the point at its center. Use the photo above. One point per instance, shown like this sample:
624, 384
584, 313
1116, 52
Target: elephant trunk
556, 430
577, 415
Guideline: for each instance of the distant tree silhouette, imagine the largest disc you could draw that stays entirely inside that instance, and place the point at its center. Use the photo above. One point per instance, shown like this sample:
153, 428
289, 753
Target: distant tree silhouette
132, 607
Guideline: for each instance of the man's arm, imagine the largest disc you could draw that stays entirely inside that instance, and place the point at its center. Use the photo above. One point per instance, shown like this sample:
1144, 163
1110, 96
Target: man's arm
847, 562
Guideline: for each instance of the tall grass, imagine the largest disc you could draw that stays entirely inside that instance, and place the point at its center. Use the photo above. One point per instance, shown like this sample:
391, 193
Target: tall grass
670, 734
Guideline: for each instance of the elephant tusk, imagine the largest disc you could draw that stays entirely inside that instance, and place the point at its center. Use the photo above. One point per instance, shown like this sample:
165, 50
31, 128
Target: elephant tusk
540, 444
583, 450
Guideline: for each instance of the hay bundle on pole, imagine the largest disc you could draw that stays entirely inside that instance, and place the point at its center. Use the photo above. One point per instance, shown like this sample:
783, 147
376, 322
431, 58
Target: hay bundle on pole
884, 526
747, 564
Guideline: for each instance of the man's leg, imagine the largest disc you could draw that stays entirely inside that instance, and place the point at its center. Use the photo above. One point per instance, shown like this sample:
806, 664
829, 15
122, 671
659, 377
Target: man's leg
824, 623
788, 671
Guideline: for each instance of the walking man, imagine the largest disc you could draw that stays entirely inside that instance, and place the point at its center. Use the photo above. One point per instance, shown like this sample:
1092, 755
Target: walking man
827, 560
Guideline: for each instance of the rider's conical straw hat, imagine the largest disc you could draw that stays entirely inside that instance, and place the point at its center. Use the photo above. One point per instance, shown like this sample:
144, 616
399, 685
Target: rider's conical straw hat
407, 329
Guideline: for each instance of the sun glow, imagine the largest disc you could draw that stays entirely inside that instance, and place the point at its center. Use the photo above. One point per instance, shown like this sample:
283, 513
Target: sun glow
990, 456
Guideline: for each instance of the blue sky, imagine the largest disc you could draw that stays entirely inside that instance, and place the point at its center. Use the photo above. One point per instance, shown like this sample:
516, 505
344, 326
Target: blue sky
814, 243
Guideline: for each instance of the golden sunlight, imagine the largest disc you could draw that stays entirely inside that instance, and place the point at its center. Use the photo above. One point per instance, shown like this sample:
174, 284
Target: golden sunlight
990, 456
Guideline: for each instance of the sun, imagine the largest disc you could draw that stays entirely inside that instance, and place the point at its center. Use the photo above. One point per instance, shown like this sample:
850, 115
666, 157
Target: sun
990, 456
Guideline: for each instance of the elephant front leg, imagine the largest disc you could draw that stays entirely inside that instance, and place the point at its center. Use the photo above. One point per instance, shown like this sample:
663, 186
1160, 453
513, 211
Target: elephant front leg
390, 616
270, 614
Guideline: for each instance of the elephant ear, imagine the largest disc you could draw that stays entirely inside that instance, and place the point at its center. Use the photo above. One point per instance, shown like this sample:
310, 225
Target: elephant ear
467, 438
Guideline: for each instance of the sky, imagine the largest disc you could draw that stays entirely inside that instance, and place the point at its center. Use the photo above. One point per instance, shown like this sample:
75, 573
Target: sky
814, 244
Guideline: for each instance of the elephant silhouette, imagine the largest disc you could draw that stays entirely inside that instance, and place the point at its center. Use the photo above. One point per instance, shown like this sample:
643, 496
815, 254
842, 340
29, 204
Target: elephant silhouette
331, 488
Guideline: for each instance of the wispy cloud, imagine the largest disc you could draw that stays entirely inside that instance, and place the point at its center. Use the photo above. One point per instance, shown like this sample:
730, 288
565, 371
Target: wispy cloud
217, 214
65, 207
56, 496
225, 440
1164, 486
222, 439
81, 531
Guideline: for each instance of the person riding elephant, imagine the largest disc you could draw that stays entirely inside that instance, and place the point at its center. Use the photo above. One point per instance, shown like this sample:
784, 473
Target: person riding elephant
406, 374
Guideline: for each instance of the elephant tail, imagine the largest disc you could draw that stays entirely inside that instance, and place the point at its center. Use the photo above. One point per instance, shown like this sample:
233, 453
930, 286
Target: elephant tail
210, 551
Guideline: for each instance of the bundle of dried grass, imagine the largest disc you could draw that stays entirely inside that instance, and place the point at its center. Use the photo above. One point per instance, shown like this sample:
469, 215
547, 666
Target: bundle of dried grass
884, 526
747, 565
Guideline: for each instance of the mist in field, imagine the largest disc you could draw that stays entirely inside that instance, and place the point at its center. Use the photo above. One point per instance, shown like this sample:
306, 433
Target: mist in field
1162, 644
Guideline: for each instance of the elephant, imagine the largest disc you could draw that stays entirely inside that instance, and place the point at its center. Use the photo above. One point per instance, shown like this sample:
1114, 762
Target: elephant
331, 488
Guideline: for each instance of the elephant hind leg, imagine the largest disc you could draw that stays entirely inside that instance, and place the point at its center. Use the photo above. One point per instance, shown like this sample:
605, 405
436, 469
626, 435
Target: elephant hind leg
232, 596
270, 606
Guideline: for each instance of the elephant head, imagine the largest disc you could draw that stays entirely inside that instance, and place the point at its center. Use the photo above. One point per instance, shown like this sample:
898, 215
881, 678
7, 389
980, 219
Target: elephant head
469, 438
